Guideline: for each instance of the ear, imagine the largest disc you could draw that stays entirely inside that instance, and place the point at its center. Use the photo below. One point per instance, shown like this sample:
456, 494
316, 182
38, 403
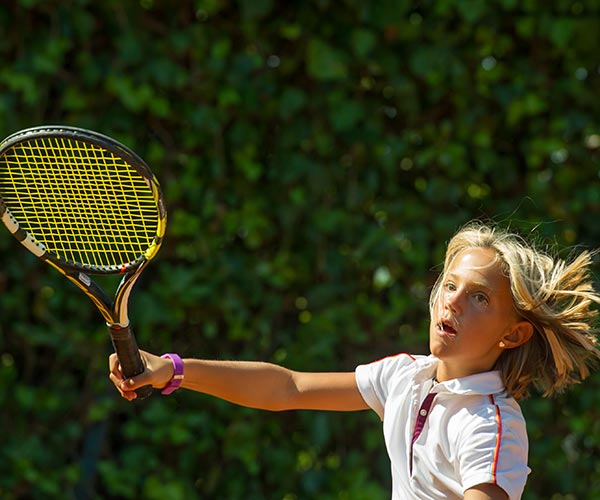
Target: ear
518, 334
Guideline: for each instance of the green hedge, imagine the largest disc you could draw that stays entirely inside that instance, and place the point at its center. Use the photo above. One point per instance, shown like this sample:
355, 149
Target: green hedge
315, 158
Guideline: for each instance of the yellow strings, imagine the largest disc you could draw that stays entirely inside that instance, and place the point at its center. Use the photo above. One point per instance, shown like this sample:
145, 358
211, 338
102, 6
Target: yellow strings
84, 203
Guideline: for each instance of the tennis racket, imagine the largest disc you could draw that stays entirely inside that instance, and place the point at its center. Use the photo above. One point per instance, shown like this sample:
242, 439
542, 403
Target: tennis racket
86, 205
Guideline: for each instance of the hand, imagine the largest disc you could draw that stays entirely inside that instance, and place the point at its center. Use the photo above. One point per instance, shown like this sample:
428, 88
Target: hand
158, 373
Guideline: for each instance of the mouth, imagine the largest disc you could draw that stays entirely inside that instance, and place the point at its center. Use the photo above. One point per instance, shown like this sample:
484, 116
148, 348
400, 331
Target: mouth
445, 328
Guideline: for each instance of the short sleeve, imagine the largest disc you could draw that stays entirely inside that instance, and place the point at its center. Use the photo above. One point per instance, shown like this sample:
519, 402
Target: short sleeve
374, 380
494, 450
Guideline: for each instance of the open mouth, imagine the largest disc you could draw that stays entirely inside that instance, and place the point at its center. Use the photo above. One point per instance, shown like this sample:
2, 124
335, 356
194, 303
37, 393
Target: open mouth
446, 328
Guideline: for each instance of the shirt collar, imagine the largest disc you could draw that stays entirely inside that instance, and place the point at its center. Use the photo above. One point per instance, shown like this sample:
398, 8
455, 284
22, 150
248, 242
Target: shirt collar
485, 383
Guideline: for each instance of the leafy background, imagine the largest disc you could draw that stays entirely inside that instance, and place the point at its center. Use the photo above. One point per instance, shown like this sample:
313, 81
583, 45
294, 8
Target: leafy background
316, 156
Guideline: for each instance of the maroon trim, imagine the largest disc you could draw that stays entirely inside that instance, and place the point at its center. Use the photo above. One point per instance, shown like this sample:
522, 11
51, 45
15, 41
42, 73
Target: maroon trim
420, 422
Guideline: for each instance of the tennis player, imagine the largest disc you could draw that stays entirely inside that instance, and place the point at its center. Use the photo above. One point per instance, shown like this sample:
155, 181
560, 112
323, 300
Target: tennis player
504, 316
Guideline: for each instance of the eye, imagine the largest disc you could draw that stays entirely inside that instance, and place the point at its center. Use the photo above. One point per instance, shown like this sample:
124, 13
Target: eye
449, 286
481, 298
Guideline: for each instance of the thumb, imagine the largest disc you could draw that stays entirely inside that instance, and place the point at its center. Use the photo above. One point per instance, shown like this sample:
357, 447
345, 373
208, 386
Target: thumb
133, 383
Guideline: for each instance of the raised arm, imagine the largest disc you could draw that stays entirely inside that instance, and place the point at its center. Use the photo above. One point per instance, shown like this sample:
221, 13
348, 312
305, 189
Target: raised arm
254, 384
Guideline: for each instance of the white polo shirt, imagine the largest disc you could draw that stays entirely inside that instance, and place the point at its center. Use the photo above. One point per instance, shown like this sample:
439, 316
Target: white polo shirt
473, 432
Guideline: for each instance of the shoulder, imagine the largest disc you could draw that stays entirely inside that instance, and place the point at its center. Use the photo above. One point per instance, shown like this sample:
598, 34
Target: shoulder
484, 429
491, 441
493, 415
398, 360
377, 380
390, 367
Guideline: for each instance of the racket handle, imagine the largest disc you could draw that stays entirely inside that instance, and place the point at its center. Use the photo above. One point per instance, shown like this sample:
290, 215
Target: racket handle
125, 345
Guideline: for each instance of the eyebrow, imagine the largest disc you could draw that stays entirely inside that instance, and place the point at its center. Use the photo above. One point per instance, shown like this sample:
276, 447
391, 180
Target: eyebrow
476, 284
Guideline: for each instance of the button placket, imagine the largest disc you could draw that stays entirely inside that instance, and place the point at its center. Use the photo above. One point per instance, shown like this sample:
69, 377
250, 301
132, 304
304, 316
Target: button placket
420, 422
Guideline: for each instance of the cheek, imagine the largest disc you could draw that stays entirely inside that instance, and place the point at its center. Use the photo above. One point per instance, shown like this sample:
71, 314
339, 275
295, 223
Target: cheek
435, 304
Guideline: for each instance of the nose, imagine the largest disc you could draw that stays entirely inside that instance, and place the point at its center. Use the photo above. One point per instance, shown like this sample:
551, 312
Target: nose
453, 300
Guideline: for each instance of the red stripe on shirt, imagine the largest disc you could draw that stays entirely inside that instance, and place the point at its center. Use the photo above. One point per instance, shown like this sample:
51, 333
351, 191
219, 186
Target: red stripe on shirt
498, 440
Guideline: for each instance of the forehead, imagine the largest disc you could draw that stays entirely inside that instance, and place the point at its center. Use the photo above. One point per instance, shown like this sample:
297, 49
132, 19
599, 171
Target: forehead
481, 265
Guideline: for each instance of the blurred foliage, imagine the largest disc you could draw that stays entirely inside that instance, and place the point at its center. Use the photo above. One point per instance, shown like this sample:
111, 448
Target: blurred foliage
315, 158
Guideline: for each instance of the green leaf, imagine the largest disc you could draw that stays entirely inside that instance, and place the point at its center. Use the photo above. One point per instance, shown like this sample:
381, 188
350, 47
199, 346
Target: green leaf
324, 62
363, 42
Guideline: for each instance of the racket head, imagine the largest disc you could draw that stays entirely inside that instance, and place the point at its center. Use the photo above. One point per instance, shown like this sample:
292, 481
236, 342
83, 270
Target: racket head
80, 199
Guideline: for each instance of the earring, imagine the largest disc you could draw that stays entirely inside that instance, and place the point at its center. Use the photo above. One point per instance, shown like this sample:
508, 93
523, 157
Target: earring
502, 345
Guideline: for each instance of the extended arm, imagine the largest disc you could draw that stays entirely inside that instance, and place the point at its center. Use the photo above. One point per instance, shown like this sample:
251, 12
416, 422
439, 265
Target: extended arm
248, 383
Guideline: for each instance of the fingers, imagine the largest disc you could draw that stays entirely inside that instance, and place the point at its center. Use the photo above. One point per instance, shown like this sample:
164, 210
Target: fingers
125, 387
157, 373
134, 383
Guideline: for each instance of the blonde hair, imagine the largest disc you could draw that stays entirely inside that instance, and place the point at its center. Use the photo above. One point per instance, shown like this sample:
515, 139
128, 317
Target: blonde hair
554, 295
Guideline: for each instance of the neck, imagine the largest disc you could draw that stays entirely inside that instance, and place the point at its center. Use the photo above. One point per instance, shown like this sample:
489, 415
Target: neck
447, 371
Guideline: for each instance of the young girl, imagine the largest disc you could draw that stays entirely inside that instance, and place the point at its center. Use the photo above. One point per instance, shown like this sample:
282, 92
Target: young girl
504, 316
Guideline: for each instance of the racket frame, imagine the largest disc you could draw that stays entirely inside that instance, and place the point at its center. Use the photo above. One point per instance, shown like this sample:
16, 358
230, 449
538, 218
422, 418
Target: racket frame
114, 310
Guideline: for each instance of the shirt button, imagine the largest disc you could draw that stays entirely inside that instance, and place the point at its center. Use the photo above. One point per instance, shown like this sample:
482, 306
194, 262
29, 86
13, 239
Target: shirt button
423, 413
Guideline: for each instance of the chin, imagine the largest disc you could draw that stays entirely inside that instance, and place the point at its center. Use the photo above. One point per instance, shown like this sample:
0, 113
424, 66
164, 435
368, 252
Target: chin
436, 348
439, 346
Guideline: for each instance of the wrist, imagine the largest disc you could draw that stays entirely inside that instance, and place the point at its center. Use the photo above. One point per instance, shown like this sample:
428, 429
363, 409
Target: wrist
177, 378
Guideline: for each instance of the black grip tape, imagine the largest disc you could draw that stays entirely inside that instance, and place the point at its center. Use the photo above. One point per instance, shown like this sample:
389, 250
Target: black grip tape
125, 345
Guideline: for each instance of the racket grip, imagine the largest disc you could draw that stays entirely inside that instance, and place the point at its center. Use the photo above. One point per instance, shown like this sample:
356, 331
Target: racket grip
126, 347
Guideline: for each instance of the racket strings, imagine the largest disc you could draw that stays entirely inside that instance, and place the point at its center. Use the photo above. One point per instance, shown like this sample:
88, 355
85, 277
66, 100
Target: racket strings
84, 203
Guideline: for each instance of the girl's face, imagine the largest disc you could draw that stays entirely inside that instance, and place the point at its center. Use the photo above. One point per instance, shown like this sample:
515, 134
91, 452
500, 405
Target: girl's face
472, 315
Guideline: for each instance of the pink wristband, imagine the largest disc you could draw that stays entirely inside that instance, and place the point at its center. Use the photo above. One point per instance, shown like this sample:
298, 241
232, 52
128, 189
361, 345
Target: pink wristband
175, 382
